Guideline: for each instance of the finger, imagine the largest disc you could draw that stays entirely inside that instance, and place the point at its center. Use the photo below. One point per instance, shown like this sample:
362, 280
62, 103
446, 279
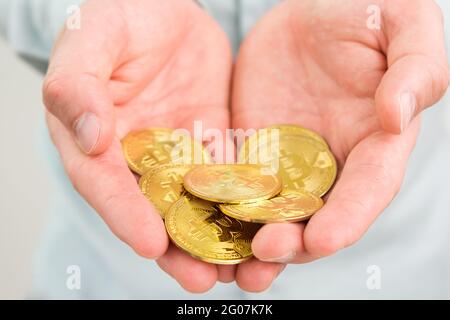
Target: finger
371, 177
418, 74
226, 274
76, 85
111, 189
257, 276
281, 243
193, 275
82, 103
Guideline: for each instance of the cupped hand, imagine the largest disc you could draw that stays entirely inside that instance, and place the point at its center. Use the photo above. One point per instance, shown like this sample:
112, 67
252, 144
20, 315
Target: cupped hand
325, 65
135, 64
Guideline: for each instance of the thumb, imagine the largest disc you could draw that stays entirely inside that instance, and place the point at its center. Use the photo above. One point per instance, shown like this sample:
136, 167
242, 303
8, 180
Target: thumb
75, 88
82, 103
417, 75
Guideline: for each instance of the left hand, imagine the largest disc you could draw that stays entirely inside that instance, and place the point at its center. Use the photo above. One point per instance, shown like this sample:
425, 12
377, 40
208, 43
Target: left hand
317, 64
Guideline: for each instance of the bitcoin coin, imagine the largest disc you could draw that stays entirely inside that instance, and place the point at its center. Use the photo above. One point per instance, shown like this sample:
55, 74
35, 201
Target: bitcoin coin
294, 129
200, 229
231, 183
163, 185
147, 149
303, 163
287, 207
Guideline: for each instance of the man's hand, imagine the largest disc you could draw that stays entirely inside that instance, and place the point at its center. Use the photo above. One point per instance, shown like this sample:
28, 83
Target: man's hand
317, 64
136, 64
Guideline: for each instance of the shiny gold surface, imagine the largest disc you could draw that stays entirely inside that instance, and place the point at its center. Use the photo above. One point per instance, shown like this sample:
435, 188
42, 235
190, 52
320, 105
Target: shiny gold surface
163, 185
213, 211
200, 229
305, 163
231, 183
287, 207
297, 130
147, 149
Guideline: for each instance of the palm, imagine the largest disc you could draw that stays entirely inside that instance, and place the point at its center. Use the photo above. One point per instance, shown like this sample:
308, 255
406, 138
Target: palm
175, 80
325, 80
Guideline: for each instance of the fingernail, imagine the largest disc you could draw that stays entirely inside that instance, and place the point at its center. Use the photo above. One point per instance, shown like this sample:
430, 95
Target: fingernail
407, 102
283, 259
87, 131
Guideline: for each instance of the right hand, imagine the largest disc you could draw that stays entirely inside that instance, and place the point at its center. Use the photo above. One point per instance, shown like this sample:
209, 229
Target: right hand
136, 64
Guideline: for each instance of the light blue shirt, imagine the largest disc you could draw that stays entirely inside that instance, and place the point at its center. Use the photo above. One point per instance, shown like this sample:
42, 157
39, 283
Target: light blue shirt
409, 244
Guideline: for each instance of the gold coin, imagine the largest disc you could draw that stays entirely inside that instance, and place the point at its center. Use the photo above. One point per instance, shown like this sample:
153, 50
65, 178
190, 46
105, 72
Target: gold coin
163, 185
294, 129
303, 163
200, 229
231, 183
287, 207
147, 149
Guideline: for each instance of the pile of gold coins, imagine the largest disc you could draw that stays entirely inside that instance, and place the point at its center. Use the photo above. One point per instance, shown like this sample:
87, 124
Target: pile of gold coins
212, 211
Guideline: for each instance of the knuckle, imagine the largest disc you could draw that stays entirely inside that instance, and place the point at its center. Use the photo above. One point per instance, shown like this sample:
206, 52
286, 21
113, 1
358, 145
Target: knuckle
53, 90
443, 79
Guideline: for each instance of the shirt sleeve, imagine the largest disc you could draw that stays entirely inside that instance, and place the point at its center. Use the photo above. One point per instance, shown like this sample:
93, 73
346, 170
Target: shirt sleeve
31, 26
4, 13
